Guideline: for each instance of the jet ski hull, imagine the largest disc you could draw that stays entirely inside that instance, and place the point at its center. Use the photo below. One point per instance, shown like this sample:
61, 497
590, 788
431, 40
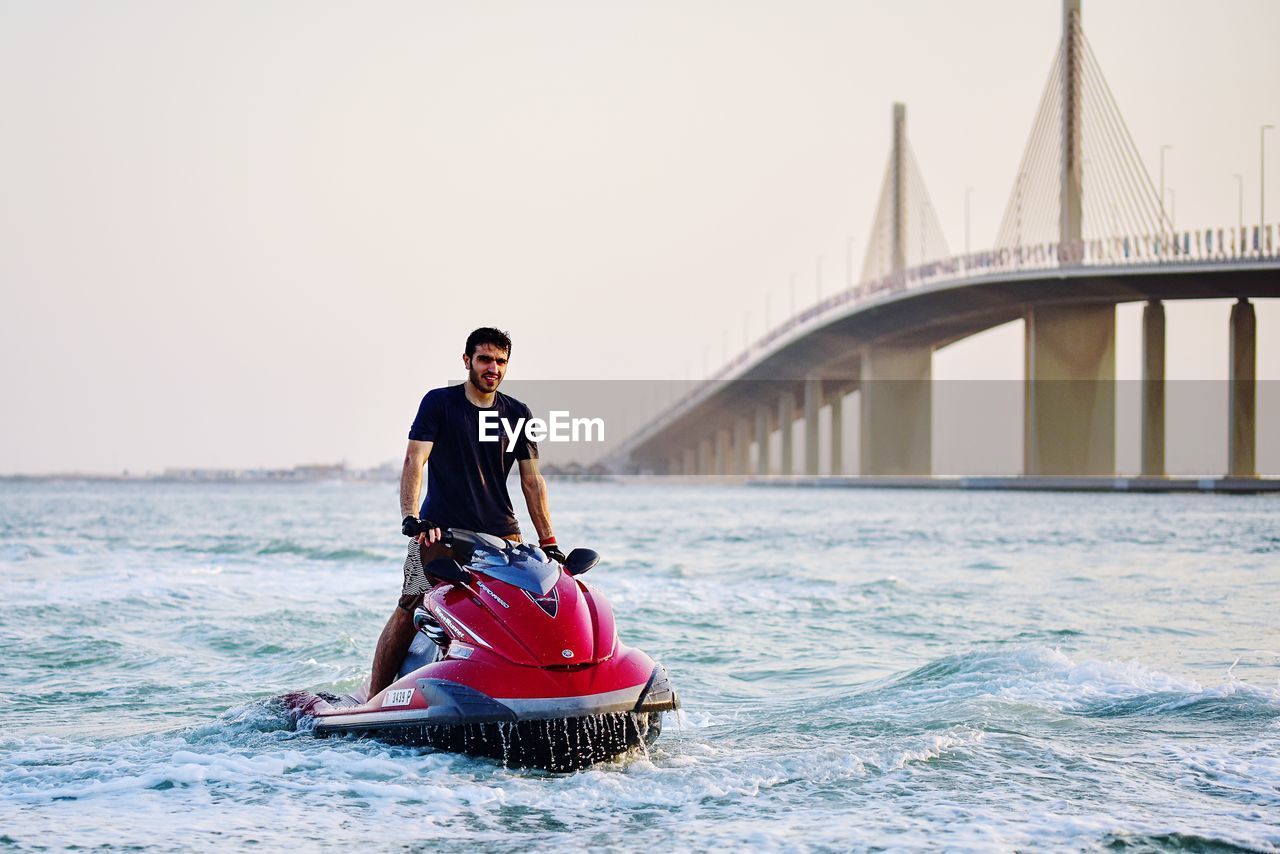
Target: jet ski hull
519, 661
556, 733
552, 744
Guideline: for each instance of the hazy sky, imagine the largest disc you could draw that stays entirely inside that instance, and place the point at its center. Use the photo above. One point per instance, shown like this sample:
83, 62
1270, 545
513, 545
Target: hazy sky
238, 234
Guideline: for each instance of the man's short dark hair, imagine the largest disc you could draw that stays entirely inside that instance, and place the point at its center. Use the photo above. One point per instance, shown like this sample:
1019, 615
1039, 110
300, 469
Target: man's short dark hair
488, 335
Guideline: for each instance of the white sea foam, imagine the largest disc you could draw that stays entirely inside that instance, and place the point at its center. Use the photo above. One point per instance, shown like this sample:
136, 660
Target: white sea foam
932, 747
1250, 773
697, 719
1049, 677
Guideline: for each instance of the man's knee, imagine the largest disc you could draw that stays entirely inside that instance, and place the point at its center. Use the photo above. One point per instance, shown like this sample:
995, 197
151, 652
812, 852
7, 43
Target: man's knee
409, 601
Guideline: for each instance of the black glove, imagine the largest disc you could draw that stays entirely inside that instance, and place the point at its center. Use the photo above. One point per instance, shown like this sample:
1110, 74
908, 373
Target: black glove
554, 553
412, 526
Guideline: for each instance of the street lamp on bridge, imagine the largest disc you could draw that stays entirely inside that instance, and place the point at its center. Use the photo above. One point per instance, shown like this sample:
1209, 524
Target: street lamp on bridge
1262, 185
1163, 218
968, 191
848, 263
1240, 199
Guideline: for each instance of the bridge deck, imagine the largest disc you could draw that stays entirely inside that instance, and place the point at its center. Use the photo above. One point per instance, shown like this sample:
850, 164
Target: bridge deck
935, 314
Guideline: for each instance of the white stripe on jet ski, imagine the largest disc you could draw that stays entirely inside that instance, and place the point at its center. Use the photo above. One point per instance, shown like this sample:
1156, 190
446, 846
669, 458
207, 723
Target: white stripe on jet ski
622, 700
370, 718
460, 627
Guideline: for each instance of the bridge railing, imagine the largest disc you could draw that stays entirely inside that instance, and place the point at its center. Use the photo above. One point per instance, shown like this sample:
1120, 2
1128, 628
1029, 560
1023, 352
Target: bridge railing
1233, 245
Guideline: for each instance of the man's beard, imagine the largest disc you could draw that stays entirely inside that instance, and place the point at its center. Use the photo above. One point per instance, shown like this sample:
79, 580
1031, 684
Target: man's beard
474, 377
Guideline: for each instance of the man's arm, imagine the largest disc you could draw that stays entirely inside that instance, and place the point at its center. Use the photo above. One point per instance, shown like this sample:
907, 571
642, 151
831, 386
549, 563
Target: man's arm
415, 457
534, 488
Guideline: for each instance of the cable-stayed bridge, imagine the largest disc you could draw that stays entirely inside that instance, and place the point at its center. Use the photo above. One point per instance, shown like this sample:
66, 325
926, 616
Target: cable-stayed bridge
1084, 229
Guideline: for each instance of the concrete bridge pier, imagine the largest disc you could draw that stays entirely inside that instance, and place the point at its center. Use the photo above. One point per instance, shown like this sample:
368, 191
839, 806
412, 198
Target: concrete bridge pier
1069, 403
786, 419
812, 425
764, 427
836, 402
722, 451
1243, 391
690, 462
741, 446
895, 433
706, 456
1153, 388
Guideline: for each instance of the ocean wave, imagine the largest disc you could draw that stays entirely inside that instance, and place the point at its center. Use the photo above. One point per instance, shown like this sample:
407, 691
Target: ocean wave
1177, 841
232, 547
15, 552
924, 749
1046, 677
311, 552
288, 787
698, 719
1246, 773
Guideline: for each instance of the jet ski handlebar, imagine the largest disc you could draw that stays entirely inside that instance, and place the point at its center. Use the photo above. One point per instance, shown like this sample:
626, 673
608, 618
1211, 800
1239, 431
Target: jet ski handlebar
412, 526
452, 569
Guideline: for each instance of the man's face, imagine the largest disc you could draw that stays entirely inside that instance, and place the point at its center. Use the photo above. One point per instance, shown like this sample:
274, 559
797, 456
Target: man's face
486, 367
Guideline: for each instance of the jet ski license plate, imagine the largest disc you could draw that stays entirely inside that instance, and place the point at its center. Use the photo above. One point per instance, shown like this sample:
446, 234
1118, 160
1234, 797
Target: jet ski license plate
399, 697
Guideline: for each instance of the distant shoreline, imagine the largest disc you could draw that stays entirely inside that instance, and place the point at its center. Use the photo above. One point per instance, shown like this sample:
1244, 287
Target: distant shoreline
386, 473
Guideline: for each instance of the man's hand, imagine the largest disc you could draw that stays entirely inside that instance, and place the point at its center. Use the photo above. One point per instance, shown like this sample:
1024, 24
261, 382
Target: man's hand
551, 550
424, 530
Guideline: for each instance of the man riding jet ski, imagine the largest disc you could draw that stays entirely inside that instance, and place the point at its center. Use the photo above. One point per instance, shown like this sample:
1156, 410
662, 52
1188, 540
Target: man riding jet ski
528, 667
466, 481
515, 659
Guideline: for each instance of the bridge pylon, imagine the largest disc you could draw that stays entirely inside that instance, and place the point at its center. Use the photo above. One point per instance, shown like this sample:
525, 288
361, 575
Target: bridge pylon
1071, 188
905, 230
1069, 397
898, 170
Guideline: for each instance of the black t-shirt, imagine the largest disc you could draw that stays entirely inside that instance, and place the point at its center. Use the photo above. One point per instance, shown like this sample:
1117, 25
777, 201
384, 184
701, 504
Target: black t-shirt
467, 478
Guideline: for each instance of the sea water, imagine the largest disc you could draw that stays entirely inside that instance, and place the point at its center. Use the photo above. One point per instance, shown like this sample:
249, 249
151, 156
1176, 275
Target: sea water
859, 669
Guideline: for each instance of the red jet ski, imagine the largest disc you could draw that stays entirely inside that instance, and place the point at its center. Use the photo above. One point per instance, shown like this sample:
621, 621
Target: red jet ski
515, 659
